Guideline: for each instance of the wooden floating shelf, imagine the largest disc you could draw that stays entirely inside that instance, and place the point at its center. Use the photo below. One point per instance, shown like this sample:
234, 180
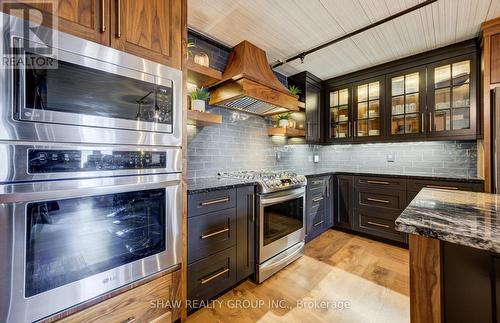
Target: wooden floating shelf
202, 75
200, 119
286, 132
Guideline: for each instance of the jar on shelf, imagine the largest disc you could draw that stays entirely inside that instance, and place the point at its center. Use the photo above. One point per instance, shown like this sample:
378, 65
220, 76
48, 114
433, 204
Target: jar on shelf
202, 59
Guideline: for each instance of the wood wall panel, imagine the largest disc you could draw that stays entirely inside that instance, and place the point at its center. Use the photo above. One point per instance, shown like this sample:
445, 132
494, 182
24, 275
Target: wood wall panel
425, 280
495, 59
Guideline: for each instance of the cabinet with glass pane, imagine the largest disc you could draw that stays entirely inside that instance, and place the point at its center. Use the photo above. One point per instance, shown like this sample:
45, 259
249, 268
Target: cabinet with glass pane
340, 106
368, 109
451, 97
406, 103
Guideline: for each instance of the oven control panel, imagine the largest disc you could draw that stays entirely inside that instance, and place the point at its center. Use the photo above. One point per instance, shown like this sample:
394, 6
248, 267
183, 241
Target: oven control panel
58, 161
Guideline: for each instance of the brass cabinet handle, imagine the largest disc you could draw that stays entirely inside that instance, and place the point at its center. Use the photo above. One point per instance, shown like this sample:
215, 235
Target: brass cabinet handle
349, 129
220, 273
119, 18
379, 225
316, 224
377, 200
129, 320
211, 202
422, 123
442, 187
355, 129
103, 21
317, 199
430, 121
378, 182
316, 182
205, 236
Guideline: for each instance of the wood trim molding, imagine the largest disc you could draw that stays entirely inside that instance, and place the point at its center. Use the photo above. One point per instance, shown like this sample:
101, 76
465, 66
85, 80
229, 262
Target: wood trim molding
425, 280
184, 66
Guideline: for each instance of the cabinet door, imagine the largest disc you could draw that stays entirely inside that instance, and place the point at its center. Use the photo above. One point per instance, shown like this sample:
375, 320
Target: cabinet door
340, 114
406, 104
148, 28
451, 97
313, 110
343, 201
368, 109
245, 232
87, 19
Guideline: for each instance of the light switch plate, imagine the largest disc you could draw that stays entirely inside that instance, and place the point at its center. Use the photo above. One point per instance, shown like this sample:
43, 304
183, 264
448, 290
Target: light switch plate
316, 158
390, 158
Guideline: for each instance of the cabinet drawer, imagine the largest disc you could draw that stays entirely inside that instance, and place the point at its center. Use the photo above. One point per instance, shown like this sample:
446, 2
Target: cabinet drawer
416, 185
317, 201
136, 304
314, 183
210, 233
211, 201
380, 182
376, 226
212, 275
382, 200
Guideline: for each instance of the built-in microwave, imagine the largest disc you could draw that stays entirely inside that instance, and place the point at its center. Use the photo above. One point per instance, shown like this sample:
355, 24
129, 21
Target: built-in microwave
85, 92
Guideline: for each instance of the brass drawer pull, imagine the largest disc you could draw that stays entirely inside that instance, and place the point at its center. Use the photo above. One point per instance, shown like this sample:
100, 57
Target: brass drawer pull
316, 182
103, 22
205, 236
442, 187
377, 200
316, 224
317, 199
128, 320
223, 200
220, 273
379, 225
378, 182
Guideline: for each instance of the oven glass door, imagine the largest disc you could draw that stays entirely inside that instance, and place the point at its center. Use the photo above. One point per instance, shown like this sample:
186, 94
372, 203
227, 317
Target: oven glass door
68, 240
87, 92
282, 219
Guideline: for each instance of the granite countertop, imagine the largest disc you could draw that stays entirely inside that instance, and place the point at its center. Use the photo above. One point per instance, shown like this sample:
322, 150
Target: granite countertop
464, 218
206, 184
323, 171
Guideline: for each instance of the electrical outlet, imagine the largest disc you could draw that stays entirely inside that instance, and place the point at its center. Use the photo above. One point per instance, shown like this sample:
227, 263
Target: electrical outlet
390, 158
316, 158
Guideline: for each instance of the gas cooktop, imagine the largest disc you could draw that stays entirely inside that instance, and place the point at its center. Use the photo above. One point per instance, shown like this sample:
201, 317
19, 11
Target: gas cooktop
270, 181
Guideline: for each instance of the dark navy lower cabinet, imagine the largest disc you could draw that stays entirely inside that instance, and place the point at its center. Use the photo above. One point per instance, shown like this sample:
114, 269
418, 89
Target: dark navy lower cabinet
319, 206
221, 241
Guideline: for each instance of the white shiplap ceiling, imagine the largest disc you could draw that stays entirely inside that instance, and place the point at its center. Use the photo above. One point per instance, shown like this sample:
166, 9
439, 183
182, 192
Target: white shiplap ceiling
284, 28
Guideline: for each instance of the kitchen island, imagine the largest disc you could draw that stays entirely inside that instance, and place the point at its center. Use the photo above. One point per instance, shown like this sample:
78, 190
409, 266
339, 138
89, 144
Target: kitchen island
454, 244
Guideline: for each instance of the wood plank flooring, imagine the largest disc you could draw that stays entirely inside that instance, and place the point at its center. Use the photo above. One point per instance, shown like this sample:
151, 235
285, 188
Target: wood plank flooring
369, 277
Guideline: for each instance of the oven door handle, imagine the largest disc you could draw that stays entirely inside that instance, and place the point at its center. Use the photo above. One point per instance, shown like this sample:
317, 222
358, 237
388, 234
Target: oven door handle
28, 192
283, 198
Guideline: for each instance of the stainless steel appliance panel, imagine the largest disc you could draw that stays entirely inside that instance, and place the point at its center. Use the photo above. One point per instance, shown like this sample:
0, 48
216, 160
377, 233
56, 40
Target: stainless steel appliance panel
17, 199
57, 126
16, 162
280, 230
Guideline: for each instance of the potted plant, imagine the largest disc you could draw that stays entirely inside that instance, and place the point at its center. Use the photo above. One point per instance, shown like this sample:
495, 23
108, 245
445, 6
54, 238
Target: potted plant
294, 90
283, 119
198, 98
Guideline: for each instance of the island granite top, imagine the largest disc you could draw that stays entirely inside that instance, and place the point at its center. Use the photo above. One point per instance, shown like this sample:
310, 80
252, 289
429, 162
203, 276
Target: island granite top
464, 218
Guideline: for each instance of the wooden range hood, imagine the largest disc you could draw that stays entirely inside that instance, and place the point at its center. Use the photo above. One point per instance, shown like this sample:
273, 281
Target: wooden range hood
248, 84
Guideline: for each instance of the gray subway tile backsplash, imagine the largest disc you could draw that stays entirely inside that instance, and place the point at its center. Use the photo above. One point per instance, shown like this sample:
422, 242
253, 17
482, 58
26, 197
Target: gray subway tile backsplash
244, 144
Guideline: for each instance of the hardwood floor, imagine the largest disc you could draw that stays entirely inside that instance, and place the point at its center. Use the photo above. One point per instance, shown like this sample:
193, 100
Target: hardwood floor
369, 277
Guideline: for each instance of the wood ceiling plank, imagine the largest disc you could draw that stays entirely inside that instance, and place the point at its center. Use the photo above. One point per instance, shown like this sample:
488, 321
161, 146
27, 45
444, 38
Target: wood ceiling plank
285, 28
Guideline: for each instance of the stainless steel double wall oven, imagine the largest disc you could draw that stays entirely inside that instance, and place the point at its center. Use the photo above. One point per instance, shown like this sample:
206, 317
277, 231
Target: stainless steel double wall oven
90, 172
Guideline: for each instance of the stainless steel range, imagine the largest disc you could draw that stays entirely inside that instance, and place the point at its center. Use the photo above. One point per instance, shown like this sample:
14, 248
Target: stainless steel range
281, 219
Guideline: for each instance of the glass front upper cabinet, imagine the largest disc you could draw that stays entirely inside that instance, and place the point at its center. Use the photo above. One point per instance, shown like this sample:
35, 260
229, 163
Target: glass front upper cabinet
340, 113
451, 97
368, 103
407, 103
